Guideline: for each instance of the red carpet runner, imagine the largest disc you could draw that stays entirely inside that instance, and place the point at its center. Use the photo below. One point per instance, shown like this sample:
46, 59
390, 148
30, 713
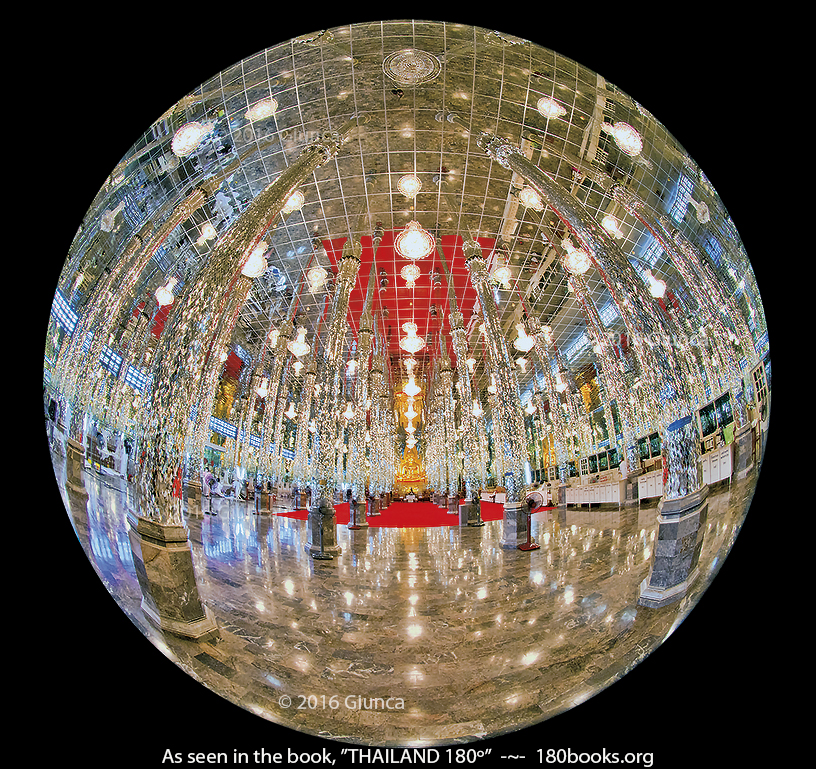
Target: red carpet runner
408, 515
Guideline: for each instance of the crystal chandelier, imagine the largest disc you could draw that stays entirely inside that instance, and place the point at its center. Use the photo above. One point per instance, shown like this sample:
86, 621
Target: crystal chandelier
409, 185
293, 203
262, 109
576, 261
524, 342
657, 288
263, 388
207, 233
299, 346
529, 198
411, 343
256, 265
187, 138
502, 274
550, 107
349, 412
412, 389
414, 242
410, 273
610, 224
316, 277
164, 295
626, 137
522, 362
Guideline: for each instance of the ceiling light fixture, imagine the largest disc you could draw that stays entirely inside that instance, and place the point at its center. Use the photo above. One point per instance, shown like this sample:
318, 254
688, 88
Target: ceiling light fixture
256, 265
657, 287
187, 139
411, 343
299, 346
550, 108
164, 295
414, 242
263, 388
576, 261
529, 198
626, 137
294, 202
412, 389
610, 224
316, 277
409, 185
410, 273
262, 109
291, 413
524, 342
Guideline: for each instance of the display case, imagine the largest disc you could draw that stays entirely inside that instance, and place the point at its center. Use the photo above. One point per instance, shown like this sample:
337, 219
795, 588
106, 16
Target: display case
593, 463
654, 444
643, 448
603, 462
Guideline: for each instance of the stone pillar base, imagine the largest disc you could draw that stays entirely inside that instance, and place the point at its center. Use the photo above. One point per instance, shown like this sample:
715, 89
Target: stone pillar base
474, 513
514, 525
357, 515
681, 527
164, 567
75, 466
193, 498
373, 507
322, 533
453, 505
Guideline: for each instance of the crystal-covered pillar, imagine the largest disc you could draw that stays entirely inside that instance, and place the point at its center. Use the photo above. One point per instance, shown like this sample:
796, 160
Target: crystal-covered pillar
508, 406
361, 393
322, 521
300, 468
470, 442
658, 359
182, 350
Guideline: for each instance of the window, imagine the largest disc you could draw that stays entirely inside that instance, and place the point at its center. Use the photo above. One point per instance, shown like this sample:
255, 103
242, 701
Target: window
685, 188
223, 428
136, 378
63, 314
110, 360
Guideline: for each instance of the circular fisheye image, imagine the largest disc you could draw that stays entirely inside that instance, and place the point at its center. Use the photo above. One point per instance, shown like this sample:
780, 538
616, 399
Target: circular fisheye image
406, 383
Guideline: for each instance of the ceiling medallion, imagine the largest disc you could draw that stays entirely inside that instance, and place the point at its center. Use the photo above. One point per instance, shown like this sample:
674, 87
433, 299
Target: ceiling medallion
411, 67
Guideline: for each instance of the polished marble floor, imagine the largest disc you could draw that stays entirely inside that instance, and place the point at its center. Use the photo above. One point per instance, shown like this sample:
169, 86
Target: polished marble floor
467, 639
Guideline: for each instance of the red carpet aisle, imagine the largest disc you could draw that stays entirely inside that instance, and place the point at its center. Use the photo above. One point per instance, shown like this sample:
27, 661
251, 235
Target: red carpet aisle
409, 515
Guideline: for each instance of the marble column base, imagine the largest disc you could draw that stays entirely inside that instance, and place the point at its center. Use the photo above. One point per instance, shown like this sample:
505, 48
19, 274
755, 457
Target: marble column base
193, 498
373, 507
514, 525
559, 494
474, 513
743, 459
680, 530
75, 466
321, 530
164, 568
357, 515
453, 505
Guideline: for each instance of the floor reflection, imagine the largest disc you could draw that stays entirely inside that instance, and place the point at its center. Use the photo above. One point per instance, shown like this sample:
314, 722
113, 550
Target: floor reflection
473, 639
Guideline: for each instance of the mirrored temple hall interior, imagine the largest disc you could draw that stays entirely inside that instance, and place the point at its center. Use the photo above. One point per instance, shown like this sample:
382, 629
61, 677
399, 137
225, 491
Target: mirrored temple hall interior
409, 366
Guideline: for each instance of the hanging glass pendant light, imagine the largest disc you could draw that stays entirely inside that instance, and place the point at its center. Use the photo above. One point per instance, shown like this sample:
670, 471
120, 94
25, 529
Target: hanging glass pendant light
550, 108
293, 203
529, 198
410, 273
188, 137
610, 224
477, 408
256, 265
411, 343
412, 388
409, 185
576, 261
626, 137
299, 346
349, 412
263, 388
316, 277
164, 295
291, 413
502, 274
657, 287
414, 242
524, 342
262, 109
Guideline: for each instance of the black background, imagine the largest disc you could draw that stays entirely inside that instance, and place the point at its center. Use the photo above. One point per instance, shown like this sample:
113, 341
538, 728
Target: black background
711, 694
